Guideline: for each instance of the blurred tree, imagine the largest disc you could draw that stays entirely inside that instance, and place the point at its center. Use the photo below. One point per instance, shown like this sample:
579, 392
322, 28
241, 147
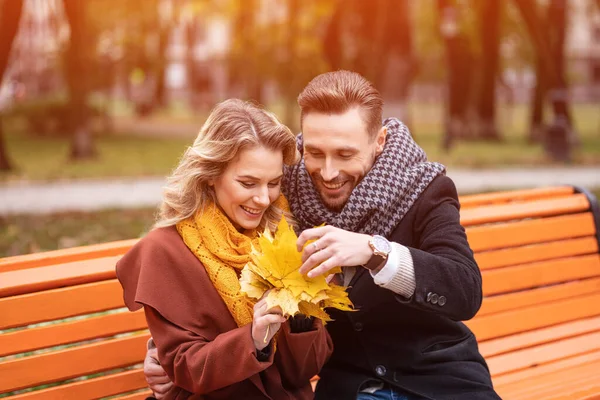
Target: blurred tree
490, 13
293, 36
460, 59
77, 63
559, 135
374, 39
10, 16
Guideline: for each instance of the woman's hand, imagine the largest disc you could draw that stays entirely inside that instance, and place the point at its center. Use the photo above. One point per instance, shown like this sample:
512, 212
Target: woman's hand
266, 323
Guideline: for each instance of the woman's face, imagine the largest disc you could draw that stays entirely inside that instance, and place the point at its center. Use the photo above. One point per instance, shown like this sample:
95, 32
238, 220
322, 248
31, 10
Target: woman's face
249, 184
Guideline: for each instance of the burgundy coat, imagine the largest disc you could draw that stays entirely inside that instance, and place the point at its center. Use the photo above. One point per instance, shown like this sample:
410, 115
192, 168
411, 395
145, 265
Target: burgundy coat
200, 346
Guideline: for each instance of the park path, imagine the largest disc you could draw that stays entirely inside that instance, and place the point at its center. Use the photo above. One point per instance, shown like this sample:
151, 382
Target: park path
89, 195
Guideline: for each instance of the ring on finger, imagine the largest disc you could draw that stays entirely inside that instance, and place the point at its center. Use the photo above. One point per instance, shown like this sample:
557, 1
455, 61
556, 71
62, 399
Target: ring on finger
315, 246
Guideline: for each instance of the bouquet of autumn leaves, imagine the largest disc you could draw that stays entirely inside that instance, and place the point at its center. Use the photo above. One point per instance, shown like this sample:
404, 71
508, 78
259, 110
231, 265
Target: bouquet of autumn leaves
274, 266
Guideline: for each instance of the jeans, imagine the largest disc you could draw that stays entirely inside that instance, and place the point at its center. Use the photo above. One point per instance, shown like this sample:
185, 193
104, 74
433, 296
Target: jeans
382, 394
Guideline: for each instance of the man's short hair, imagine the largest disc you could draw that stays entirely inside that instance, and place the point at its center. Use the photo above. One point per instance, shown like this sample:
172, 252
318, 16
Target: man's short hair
337, 92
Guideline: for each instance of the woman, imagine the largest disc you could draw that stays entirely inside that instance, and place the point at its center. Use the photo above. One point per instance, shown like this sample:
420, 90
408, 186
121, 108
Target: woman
213, 343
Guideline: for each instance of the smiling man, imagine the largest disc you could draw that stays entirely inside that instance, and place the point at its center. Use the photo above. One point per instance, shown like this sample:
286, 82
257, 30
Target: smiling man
393, 224
392, 221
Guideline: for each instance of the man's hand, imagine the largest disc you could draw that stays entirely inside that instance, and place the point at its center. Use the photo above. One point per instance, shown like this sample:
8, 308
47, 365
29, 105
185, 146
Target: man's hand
158, 380
333, 247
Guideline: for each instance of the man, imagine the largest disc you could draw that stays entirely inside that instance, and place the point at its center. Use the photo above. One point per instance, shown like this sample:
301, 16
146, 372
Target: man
392, 221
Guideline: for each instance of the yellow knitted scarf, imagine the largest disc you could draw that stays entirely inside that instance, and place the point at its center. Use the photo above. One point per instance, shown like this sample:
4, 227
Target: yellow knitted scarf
223, 251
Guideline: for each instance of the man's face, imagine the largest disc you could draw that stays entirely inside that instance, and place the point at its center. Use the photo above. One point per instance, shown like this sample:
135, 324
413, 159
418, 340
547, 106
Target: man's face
338, 153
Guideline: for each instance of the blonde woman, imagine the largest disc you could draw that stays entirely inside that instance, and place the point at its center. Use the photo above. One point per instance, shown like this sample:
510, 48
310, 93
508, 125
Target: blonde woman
211, 341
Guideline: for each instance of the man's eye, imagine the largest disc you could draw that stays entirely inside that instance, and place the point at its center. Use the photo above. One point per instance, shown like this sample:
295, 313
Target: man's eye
274, 184
247, 184
316, 154
346, 156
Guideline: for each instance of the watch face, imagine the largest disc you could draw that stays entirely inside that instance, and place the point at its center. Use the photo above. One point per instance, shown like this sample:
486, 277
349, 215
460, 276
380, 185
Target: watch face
381, 244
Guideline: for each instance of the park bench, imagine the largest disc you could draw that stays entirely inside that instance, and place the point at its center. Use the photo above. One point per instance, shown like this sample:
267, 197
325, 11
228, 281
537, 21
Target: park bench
63, 325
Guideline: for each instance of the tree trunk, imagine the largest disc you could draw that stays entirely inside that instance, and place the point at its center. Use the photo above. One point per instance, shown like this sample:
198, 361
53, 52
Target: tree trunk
489, 32
249, 60
460, 65
293, 33
82, 146
399, 42
332, 43
536, 130
10, 16
558, 143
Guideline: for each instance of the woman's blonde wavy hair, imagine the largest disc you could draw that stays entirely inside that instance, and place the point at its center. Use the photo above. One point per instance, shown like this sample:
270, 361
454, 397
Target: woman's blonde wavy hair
232, 125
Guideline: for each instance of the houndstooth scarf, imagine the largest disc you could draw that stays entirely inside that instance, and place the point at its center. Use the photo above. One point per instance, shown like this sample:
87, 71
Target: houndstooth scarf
381, 199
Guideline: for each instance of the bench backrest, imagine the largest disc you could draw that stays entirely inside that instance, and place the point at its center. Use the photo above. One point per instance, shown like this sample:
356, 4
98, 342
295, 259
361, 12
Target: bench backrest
63, 323
538, 254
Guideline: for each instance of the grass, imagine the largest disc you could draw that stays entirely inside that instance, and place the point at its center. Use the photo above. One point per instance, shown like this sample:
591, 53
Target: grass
44, 159
23, 234
134, 155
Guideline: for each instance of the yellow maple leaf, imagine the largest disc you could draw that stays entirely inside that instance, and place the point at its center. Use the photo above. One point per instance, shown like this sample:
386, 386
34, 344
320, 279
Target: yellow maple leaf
275, 265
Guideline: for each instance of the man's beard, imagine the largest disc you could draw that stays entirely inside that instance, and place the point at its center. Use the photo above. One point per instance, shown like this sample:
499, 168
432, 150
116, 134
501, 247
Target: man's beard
336, 203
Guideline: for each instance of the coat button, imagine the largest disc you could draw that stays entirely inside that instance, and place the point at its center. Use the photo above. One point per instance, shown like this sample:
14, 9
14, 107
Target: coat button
380, 370
358, 326
441, 301
434, 298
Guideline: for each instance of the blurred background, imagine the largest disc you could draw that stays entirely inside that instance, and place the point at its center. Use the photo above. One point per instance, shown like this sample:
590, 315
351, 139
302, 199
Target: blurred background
99, 98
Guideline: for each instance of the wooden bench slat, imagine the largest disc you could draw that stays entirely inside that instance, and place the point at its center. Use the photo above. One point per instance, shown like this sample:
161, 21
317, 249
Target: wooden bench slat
513, 234
521, 341
536, 252
541, 370
55, 304
533, 209
108, 385
70, 363
544, 353
535, 317
43, 278
66, 255
475, 200
71, 332
517, 300
563, 384
512, 279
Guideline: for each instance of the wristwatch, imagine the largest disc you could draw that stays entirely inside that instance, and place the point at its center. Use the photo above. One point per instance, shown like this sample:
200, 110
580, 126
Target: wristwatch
381, 250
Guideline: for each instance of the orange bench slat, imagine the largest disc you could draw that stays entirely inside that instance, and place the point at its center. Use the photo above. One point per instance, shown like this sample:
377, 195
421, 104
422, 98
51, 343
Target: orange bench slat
561, 384
513, 234
108, 385
60, 303
71, 332
512, 279
54, 276
524, 340
66, 255
523, 359
535, 317
475, 200
517, 300
536, 252
533, 209
73, 362
541, 370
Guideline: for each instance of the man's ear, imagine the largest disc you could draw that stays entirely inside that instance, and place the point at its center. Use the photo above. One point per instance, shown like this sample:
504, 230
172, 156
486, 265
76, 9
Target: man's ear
380, 139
